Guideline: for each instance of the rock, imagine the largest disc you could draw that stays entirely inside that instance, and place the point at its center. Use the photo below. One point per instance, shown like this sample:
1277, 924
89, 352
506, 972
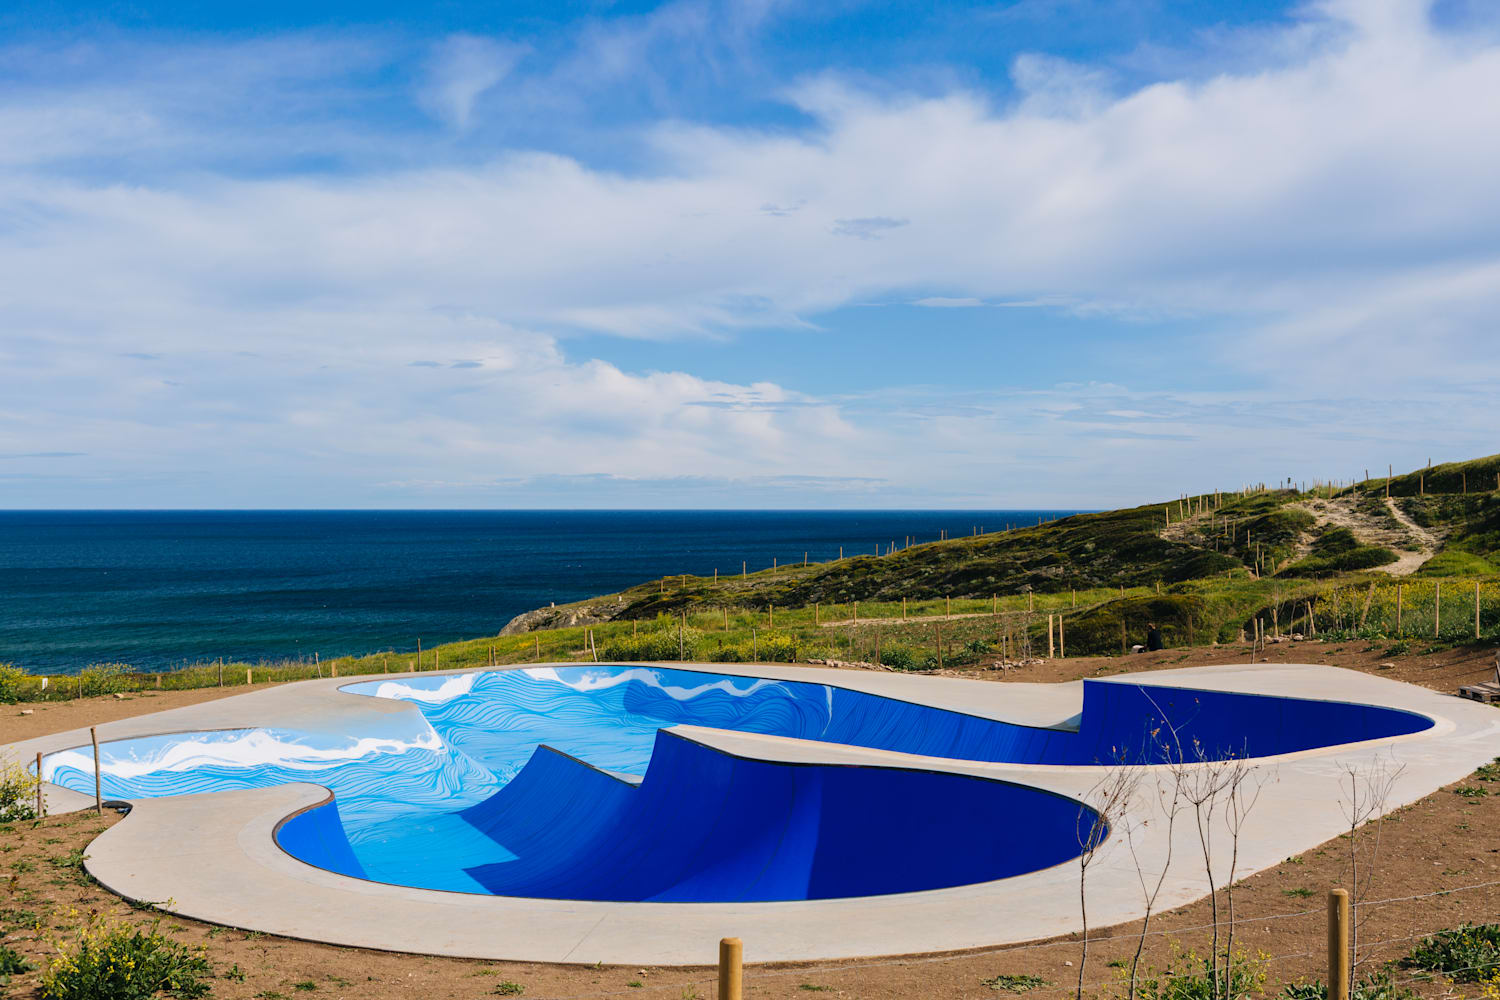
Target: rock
564, 617
28, 711
119, 696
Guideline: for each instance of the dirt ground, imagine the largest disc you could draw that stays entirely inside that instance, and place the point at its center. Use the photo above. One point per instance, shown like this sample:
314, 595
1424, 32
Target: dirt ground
1444, 849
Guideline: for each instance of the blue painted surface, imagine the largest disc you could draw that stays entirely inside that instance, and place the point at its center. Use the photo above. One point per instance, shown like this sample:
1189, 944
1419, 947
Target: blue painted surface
705, 826
460, 797
317, 836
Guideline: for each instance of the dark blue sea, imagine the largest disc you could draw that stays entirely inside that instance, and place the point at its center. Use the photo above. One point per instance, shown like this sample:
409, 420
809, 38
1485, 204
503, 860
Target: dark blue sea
161, 589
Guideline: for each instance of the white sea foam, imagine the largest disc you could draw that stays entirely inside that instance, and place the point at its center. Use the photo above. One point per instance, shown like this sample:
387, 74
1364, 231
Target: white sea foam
127, 759
451, 687
598, 680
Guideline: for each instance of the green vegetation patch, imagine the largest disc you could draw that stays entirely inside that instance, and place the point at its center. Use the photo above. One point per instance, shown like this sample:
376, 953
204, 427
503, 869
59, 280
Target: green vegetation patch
1014, 984
1338, 551
112, 961
1466, 954
1376, 986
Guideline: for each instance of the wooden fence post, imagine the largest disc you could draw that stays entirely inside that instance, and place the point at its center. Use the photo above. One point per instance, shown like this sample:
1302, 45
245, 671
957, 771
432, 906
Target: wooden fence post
1062, 646
1338, 944
41, 805
1476, 609
731, 969
98, 779
1051, 649
249, 677
1398, 609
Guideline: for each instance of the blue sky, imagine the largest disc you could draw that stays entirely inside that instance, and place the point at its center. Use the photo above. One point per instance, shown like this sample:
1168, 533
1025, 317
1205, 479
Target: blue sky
768, 253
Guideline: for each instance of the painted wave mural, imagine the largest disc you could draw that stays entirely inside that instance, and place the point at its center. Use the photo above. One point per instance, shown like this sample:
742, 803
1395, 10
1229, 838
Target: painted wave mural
561, 782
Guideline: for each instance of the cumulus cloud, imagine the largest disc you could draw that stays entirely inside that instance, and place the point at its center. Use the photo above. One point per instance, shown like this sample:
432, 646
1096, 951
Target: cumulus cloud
1328, 215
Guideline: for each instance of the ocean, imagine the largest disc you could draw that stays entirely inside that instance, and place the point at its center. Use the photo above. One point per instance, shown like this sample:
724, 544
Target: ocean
162, 589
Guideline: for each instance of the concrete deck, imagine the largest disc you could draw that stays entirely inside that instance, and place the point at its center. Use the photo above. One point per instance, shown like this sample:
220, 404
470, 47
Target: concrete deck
214, 856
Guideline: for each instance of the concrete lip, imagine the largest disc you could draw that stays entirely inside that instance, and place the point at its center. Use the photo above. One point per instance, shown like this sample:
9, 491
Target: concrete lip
213, 855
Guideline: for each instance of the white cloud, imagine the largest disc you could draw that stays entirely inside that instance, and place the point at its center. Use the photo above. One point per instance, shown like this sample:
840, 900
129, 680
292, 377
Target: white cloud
939, 302
1334, 212
463, 68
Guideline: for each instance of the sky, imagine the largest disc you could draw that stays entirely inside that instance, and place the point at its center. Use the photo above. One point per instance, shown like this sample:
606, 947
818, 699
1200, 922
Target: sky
768, 253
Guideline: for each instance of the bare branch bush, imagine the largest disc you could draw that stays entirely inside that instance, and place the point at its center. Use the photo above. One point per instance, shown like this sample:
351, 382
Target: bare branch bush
1169, 794
1366, 792
1213, 789
1244, 793
1106, 804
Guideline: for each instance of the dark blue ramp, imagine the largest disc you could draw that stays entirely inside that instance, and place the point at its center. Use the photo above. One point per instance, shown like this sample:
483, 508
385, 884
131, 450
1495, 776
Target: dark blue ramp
1144, 723
316, 836
706, 826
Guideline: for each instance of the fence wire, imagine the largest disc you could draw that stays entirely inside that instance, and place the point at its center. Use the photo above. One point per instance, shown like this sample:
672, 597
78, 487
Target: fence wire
811, 971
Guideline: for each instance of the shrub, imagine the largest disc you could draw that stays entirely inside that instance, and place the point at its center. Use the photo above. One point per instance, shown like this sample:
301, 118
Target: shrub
17, 793
1467, 954
120, 962
780, 648
12, 683
898, 658
12, 963
1376, 986
103, 678
657, 644
1189, 977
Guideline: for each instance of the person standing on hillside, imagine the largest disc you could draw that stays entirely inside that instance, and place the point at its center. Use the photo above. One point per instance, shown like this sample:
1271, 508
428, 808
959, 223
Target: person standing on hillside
1153, 638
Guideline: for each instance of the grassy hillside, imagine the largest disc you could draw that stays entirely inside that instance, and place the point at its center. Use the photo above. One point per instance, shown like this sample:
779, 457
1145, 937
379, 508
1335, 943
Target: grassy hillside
1417, 567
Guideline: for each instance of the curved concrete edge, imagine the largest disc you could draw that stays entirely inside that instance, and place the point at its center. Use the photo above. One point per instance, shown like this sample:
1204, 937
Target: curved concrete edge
240, 877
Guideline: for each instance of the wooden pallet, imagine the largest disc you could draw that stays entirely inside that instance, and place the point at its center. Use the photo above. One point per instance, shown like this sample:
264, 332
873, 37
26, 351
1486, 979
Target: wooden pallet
1485, 691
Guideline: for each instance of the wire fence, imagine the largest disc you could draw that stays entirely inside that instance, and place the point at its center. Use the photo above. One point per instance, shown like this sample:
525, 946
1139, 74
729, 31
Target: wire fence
1443, 610
771, 972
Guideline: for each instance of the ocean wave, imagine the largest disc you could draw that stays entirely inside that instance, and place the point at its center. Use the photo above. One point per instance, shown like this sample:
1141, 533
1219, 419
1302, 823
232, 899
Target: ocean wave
447, 688
253, 748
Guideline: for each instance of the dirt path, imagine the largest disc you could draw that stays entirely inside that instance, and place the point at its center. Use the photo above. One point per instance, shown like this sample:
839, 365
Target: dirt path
1413, 544
1410, 561
31, 719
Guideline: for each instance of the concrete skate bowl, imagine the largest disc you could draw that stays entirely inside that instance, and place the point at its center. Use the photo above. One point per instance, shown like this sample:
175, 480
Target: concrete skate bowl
571, 783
